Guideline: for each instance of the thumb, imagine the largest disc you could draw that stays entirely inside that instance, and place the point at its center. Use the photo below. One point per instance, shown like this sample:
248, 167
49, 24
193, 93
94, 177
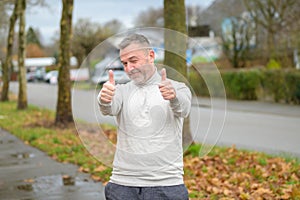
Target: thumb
163, 74
111, 77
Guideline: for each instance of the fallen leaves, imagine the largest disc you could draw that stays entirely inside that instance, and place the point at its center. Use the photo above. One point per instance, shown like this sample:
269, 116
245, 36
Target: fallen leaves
224, 174
233, 174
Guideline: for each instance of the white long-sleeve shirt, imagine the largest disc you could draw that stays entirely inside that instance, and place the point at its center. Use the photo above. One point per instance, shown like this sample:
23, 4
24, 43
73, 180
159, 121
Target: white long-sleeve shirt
149, 142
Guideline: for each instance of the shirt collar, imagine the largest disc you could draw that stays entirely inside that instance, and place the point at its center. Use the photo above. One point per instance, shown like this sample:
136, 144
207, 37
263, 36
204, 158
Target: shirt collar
153, 80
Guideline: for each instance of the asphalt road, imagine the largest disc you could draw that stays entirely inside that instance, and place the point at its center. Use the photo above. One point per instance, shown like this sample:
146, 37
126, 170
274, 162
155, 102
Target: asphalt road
269, 127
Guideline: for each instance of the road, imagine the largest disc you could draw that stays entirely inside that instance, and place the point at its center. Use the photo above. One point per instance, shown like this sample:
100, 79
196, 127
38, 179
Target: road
268, 127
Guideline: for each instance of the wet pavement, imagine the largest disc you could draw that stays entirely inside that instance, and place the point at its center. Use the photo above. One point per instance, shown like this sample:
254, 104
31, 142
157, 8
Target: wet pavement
29, 174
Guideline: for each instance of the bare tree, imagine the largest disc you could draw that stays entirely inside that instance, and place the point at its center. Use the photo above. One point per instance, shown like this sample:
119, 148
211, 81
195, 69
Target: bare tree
217, 11
238, 37
86, 36
22, 96
4, 25
151, 17
7, 65
193, 14
64, 105
8, 60
112, 27
272, 16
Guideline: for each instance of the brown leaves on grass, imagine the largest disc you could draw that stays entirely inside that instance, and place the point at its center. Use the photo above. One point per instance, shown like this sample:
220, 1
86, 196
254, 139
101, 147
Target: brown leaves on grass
226, 173
233, 174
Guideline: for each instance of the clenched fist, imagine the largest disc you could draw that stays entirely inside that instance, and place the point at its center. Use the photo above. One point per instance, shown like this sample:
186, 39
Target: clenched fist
108, 90
166, 88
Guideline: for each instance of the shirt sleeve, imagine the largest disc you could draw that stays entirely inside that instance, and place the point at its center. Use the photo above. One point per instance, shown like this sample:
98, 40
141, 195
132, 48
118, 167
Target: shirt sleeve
181, 104
114, 107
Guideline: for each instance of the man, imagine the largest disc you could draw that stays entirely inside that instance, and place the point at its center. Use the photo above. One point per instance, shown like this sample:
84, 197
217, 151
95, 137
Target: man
150, 109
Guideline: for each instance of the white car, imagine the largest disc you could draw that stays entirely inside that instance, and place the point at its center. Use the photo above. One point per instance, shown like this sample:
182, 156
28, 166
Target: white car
120, 77
51, 77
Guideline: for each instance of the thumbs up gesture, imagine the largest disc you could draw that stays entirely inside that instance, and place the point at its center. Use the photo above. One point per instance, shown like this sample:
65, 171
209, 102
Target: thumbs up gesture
166, 88
108, 90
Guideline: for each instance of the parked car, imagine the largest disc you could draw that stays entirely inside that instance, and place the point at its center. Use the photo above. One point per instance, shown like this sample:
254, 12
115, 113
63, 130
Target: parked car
30, 76
51, 77
120, 77
35, 74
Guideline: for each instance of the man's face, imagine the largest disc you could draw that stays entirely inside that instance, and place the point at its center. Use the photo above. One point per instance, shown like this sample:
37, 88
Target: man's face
138, 62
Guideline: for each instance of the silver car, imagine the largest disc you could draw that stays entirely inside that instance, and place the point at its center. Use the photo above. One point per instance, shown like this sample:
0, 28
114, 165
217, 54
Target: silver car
120, 77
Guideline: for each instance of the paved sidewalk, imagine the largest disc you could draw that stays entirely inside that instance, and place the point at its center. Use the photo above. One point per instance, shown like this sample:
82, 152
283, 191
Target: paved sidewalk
250, 106
27, 173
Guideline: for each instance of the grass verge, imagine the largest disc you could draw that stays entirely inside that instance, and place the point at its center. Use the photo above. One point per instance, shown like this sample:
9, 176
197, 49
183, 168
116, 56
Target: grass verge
225, 173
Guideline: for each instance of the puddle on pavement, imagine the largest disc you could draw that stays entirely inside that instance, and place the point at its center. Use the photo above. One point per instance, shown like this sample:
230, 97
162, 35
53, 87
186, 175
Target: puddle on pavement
9, 163
8, 141
50, 183
23, 155
27, 187
68, 180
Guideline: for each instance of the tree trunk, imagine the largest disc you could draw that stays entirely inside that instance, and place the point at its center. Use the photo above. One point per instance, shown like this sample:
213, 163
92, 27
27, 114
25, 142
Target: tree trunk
64, 106
7, 64
175, 48
22, 97
174, 15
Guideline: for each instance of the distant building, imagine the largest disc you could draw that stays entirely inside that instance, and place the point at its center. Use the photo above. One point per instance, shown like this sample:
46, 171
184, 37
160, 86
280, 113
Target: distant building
205, 49
36, 67
199, 31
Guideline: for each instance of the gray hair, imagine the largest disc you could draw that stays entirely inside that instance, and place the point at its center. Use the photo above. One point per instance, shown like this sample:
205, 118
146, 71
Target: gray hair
134, 39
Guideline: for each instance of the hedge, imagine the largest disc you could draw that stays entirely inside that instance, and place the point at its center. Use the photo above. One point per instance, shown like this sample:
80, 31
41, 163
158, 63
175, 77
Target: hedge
274, 85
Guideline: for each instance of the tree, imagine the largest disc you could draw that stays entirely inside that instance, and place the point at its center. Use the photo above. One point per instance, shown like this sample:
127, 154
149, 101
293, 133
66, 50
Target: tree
8, 60
193, 14
7, 64
151, 18
64, 105
34, 47
34, 51
174, 19
174, 15
88, 35
4, 24
217, 11
32, 38
272, 16
22, 96
238, 37
112, 27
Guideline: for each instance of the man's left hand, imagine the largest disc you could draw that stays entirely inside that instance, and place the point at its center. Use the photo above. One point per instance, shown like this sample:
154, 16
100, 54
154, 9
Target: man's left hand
166, 88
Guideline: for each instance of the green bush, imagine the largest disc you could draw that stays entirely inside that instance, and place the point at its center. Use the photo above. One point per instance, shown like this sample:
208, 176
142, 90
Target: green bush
242, 85
264, 84
198, 84
292, 81
274, 85
273, 64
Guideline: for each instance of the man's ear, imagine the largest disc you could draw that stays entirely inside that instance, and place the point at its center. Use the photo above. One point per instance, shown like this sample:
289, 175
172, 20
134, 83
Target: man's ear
152, 56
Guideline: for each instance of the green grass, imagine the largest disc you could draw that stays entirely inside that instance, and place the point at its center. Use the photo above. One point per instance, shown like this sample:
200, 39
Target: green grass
85, 86
232, 168
35, 127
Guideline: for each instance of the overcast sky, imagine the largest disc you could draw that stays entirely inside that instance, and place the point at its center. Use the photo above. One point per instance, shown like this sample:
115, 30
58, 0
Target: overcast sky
47, 20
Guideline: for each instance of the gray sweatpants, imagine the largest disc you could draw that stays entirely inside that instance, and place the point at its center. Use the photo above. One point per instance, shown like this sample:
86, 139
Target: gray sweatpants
119, 192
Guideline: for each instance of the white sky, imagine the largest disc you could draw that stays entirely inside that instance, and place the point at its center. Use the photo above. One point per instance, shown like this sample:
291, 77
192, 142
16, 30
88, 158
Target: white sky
47, 20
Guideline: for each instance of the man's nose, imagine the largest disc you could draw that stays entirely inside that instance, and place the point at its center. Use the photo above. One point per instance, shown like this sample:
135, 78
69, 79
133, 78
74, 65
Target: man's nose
130, 66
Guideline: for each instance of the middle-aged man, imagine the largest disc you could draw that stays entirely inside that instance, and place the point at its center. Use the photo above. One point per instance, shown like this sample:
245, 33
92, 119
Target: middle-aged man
150, 109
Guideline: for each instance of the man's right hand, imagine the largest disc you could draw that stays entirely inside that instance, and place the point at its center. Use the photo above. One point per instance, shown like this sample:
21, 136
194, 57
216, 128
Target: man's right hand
108, 90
